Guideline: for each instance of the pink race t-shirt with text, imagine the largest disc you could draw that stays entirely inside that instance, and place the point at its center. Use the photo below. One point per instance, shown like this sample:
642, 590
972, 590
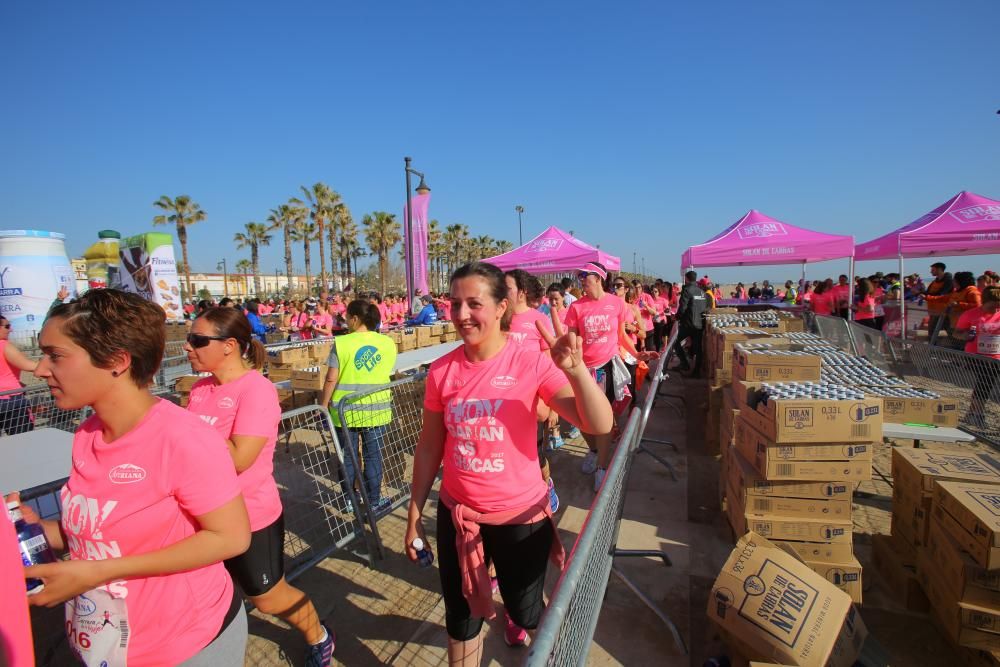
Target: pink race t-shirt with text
246, 406
489, 410
822, 304
599, 321
139, 494
524, 332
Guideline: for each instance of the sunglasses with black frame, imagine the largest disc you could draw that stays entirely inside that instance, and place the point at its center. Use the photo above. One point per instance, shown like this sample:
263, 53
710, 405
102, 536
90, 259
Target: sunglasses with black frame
198, 341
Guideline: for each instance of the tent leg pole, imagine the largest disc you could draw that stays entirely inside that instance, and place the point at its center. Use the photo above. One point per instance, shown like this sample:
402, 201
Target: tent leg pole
850, 292
902, 298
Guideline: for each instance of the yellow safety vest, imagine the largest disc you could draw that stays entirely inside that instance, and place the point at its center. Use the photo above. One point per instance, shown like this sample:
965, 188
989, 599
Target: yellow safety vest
366, 360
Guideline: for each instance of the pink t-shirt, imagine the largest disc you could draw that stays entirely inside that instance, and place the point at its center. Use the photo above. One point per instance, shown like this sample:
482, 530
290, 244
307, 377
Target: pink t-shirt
396, 312
662, 306
987, 339
644, 302
490, 454
866, 308
139, 494
10, 375
338, 308
324, 320
445, 310
599, 321
822, 304
383, 311
841, 295
524, 332
246, 406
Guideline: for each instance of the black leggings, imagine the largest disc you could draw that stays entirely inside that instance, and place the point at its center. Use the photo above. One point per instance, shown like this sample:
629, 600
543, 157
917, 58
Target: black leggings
520, 554
262, 565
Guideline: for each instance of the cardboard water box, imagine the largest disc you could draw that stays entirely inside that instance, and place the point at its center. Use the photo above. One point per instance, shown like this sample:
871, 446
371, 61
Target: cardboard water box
971, 623
783, 498
846, 576
819, 552
309, 379
782, 611
288, 354
781, 365
320, 352
725, 339
803, 462
944, 559
148, 268
425, 336
970, 513
914, 473
815, 420
796, 529
935, 411
408, 340
185, 382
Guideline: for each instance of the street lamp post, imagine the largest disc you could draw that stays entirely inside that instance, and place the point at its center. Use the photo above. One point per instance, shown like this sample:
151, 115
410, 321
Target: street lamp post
421, 189
520, 237
276, 283
225, 276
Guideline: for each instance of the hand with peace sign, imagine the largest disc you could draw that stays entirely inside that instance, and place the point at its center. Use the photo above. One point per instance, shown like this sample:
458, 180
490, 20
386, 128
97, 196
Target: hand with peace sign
567, 349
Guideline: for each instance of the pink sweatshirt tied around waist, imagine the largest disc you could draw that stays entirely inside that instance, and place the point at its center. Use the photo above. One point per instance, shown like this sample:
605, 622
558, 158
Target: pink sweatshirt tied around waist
469, 543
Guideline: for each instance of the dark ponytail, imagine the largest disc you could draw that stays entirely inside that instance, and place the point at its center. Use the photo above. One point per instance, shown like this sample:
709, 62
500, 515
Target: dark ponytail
232, 323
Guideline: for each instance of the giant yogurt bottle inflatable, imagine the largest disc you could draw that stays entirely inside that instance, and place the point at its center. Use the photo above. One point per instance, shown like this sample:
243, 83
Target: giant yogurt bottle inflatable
33, 267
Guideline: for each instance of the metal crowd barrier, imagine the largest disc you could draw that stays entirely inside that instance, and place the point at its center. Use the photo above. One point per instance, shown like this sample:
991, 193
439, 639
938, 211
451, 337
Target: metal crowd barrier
384, 426
570, 620
32, 407
971, 379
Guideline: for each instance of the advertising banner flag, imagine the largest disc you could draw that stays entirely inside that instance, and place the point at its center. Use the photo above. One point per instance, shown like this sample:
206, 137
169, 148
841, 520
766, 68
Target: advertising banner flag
418, 209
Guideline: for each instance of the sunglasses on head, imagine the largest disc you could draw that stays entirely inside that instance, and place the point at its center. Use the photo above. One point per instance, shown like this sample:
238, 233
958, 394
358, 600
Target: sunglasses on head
200, 340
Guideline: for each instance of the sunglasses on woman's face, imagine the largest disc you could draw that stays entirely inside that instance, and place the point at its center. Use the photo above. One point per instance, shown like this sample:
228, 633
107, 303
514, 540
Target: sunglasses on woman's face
582, 276
198, 341
619, 286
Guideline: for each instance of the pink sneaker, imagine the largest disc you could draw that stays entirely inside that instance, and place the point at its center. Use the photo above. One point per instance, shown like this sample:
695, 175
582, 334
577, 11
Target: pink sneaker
514, 634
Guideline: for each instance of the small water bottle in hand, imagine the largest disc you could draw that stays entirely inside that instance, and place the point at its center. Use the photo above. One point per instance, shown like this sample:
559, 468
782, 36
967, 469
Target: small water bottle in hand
34, 547
424, 555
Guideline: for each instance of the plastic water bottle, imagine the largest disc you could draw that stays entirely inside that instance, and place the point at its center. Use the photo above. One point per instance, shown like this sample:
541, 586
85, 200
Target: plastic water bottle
425, 557
35, 548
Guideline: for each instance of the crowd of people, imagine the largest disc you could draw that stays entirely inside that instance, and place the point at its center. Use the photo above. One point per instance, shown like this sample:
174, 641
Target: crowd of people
171, 516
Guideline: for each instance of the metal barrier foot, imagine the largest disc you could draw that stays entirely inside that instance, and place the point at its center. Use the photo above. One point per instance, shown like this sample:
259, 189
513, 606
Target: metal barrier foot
665, 463
653, 607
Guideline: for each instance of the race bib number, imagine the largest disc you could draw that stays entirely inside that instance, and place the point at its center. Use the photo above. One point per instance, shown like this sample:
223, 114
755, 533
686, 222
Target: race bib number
97, 628
988, 344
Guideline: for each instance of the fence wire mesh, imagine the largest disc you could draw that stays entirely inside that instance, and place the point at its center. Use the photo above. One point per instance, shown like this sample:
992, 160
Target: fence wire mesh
32, 407
570, 619
320, 514
379, 430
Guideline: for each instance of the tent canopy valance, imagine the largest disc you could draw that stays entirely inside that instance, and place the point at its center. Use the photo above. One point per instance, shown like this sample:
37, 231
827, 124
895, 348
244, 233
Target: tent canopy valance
966, 224
554, 251
757, 239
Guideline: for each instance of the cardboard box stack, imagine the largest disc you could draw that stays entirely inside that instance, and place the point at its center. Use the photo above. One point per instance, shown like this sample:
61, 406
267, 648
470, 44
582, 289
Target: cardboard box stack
773, 608
798, 451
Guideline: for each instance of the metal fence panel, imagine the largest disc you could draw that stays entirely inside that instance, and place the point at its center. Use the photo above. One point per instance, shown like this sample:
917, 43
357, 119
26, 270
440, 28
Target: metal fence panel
384, 426
32, 407
568, 626
320, 514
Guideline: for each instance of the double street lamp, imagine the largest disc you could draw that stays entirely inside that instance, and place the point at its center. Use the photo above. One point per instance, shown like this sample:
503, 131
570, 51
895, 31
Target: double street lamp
520, 239
422, 189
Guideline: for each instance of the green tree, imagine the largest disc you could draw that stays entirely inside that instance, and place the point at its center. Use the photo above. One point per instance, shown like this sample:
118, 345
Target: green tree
243, 267
501, 247
435, 250
254, 235
455, 238
307, 232
286, 218
482, 247
382, 233
343, 225
181, 212
323, 203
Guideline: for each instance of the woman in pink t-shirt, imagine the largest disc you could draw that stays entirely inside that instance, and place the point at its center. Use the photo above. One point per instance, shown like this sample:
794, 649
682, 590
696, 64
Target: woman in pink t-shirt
864, 311
661, 306
598, 318
151, 507
479, 425
15, 416
322, 321
822, 302
242, 406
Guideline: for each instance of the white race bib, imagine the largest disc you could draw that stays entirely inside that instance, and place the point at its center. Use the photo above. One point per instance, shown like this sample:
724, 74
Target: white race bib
988, 344
97, 628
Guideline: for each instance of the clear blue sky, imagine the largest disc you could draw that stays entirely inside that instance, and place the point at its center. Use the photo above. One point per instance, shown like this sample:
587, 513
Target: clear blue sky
644, 126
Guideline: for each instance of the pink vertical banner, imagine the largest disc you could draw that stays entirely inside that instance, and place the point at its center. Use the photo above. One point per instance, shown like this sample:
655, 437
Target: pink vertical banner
418, 208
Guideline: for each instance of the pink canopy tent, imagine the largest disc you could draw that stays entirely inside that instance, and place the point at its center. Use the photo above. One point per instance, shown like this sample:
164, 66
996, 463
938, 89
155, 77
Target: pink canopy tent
554, 251
759, 239
966, 224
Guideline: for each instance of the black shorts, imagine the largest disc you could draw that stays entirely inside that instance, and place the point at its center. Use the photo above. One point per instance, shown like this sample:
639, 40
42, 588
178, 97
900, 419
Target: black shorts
261, 566
520, 554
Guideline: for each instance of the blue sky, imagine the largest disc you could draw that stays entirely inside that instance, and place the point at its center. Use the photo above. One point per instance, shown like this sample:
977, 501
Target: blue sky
644, 127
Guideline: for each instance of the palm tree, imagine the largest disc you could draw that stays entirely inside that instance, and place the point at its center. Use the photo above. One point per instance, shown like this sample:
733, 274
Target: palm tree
481, 246
254, 236
456, 237
306, 232
356, 251
350, 249
381, 233
286, 217
435, 249
182, 213
243, 267
323, 204
341, 224
501, 247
